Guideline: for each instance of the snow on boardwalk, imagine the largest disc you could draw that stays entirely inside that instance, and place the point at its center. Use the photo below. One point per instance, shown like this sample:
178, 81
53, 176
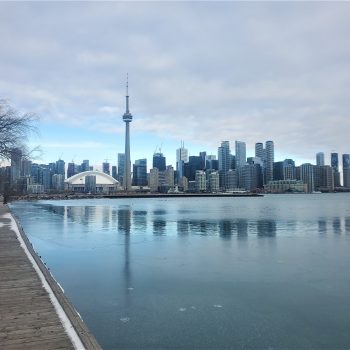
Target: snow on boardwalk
31, 314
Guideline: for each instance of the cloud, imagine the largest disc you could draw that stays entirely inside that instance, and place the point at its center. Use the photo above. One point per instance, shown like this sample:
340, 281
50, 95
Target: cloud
200, 72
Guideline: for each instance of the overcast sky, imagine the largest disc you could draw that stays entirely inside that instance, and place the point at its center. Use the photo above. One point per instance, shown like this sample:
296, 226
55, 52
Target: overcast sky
201, 72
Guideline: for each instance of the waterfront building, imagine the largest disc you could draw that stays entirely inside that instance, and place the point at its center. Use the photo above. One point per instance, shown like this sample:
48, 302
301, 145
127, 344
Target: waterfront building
127, 118
346, 170
201, 181
278, 173
231, 180
35, 189
58, 182
159, 161
121, 168
307, 176
214, 182
270, 156
251, 177
154, 180
286, 186
323, 178
183, 184
320, 158
170, 177
289, 172
140, 172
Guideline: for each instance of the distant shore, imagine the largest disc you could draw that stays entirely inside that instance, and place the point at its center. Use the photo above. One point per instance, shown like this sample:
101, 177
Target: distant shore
62, 196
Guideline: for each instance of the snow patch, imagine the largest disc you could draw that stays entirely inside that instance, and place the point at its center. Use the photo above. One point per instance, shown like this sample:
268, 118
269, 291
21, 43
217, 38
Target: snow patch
59, 310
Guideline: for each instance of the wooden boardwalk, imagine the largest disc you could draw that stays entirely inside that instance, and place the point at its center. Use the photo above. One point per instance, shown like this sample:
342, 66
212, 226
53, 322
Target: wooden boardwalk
28, 319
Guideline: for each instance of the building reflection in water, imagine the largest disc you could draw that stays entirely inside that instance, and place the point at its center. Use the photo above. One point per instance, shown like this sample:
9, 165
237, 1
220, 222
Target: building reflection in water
322, 226
225, 228
266, 228
124, 227
336, 226
159, 226
347, 224
182, 227
139, 220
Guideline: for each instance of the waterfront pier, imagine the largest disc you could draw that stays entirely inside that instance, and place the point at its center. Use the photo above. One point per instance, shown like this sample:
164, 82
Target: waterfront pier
34, 312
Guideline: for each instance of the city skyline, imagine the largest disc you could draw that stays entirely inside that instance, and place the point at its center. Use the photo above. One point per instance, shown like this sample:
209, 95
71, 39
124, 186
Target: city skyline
255, 83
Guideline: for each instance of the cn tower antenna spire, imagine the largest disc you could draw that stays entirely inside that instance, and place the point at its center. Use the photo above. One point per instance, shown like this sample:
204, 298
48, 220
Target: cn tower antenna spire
127, 92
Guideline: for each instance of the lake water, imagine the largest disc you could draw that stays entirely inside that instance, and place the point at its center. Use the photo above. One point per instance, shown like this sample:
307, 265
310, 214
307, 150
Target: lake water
242, 273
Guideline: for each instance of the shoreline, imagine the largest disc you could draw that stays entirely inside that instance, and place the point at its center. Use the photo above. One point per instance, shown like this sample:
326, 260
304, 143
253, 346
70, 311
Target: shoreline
123, 195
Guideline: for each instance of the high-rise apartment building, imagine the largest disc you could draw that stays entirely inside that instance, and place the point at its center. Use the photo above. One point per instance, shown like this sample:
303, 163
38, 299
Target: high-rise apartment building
224, 156
335, 167
270, 157
241, 157
159, 161
320, 158
201, 182
106, 168
140, 173
60, 168
259, 150
121, 168
307, 176
346, 170
114, 172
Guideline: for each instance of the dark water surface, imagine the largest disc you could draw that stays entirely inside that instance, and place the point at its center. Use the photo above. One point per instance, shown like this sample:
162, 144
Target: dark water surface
271, 272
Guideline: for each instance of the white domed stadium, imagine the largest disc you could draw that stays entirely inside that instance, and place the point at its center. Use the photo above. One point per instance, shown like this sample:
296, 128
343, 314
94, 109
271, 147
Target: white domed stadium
92, 182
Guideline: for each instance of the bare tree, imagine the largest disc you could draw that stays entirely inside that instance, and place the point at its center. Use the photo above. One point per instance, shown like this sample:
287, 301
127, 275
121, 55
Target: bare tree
14, 130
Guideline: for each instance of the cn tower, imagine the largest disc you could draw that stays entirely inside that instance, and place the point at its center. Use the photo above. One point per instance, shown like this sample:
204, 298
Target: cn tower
127, 118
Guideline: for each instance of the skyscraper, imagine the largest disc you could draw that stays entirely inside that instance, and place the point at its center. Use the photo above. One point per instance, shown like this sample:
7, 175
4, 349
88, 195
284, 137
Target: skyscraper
270, 156
346, 170
140, 173
159, 161
241, 157
106, 168
224, 156
127, 118
121, 167
307, 176
259, 150
181, 159
320, 158
335, 166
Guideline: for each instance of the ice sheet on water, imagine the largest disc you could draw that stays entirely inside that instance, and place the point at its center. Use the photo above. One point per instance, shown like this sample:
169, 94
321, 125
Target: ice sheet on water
125, 319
